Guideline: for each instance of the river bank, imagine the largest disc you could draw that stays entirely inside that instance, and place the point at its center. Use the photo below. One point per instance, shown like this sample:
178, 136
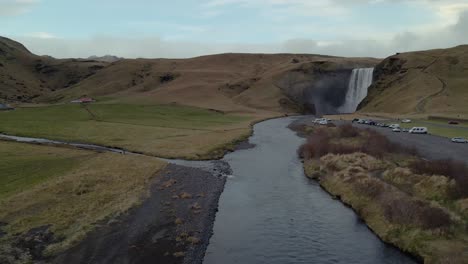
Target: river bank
269, 212
172, 226
416, 205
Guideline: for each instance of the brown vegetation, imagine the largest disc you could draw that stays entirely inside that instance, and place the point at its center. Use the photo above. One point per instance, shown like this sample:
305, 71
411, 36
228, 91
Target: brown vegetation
456, 170
413, 207
324, 141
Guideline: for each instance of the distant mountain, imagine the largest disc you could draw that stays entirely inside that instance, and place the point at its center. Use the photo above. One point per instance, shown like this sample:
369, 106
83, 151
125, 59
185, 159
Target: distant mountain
105, 58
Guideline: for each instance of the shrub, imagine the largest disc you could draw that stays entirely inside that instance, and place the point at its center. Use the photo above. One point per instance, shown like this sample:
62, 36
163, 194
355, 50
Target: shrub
404, 210
456, 170
348, 131
378, 145
316, 146
370, 187
375, 144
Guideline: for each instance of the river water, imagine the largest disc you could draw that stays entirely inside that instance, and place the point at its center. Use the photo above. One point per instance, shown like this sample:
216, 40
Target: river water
271, 213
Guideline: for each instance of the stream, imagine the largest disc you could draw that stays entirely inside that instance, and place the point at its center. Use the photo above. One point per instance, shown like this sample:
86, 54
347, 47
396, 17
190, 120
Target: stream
270, 212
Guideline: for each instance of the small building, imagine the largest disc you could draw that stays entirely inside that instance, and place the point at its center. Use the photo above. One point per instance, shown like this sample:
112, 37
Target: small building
5, 107
83, 100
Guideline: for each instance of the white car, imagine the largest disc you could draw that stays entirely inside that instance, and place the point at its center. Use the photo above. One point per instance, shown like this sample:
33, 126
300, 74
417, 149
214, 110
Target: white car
418, 130
396, 129
406, 121
392, 126
459, 140
323, 122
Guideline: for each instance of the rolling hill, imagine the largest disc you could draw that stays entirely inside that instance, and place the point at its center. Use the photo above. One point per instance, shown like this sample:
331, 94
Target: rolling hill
225, 82
25, 76
422, 83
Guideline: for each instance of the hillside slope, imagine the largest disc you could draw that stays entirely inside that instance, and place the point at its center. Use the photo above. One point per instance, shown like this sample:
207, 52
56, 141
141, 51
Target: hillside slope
225, 82
424, 82
25, 76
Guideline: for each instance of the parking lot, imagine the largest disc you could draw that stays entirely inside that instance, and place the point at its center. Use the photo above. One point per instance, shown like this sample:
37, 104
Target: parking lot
429, 146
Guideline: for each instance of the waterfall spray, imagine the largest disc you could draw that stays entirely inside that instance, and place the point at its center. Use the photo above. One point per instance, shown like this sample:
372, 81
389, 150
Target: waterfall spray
360, 81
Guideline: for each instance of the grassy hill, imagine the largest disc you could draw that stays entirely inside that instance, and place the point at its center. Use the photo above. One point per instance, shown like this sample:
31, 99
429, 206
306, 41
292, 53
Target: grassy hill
25, 76
422, 83
226, 82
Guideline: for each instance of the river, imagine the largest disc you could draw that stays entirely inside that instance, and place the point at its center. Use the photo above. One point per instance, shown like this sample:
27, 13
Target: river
271, 213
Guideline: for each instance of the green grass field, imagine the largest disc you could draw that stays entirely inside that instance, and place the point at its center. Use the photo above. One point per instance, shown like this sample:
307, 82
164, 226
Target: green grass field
440, 128
163, 130
23, 168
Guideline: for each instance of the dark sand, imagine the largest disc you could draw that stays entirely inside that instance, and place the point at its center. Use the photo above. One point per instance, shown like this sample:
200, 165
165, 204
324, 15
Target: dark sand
150, 233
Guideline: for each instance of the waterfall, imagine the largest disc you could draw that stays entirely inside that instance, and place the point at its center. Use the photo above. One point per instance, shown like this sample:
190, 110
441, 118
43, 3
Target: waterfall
360, 81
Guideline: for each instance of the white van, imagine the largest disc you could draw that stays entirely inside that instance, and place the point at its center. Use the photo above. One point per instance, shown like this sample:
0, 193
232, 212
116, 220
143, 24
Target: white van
418, 130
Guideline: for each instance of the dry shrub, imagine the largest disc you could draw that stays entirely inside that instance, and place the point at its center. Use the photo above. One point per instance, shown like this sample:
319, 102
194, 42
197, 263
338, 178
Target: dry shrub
375, 144
404, 210
370, 187
348, 131
378, 145
316, 146
456, 170
340, 162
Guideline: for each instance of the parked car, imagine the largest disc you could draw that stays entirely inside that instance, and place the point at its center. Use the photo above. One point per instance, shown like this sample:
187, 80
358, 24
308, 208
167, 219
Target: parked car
361, 121
418, 130
406, 121
405, 130
392, 126
396, 129
453, 123
355, 120
459, 140
323, 122
317, 120
372, 123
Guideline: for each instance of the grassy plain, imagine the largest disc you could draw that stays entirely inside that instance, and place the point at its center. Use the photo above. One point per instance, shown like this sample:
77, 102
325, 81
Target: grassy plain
69, 189
169, 131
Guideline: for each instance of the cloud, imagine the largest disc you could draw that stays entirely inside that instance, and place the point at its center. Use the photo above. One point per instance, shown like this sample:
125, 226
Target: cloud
16, 7
188, 40
41, 35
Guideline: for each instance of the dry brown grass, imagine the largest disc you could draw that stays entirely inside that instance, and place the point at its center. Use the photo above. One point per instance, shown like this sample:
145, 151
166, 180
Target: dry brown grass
347, 140
456, 170
427, 82
100, 186
414, 209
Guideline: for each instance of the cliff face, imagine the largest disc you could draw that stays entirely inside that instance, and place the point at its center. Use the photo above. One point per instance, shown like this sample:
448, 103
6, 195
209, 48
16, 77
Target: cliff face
425, 82
320, 87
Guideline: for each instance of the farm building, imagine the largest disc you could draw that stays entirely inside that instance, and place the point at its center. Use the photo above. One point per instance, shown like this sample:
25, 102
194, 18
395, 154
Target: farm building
83, 100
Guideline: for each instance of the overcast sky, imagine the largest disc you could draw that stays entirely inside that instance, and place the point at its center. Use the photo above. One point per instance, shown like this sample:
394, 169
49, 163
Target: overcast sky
187, 28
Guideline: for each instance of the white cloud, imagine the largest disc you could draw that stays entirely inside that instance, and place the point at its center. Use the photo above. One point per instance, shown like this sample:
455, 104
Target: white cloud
41, 35
16, 7
450, 28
